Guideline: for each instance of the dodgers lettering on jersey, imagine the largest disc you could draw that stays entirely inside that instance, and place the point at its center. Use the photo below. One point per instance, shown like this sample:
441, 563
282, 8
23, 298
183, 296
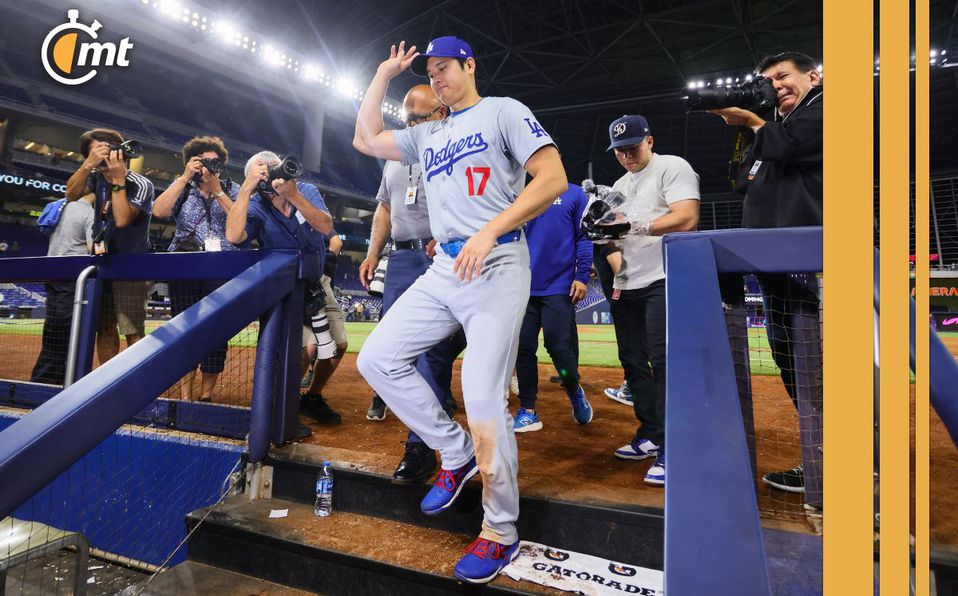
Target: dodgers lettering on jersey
473, 162
439, 162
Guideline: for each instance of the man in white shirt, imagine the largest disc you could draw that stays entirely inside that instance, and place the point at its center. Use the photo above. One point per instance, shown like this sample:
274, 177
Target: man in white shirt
662, 193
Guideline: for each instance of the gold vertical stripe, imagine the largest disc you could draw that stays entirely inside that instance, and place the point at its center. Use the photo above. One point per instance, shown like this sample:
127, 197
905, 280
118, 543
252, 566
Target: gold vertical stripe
848, 319
894, 131
922, 233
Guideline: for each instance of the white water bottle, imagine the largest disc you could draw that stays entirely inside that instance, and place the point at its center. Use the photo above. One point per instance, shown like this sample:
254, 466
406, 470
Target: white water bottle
324, 492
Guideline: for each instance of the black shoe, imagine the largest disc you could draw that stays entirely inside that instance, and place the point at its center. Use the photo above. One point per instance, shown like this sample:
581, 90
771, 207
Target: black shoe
315, 406
377, 409
416, 465
792, 481
555, 379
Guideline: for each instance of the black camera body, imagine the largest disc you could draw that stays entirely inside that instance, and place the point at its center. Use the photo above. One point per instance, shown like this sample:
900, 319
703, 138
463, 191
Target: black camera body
130, 149
755, 95
291, 167
214, 164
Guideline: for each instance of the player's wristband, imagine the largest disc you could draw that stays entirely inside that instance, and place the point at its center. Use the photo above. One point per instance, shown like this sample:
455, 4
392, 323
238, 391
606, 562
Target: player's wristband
117, 188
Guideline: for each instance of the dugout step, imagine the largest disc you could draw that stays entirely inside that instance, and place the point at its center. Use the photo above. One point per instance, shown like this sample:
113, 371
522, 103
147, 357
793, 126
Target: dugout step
196, 579
345, 553
627, 533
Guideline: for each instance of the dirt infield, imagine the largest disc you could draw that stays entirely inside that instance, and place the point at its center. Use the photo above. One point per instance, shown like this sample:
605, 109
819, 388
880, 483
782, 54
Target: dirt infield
565, 460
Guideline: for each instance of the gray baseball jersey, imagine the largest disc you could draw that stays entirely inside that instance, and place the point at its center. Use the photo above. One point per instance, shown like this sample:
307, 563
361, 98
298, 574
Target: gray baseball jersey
472, 165
473, 162
409, 222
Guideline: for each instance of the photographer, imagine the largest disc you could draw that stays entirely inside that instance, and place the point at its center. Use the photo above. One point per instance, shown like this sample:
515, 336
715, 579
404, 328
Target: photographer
122, 201
285, 213
323, 368
782, 180
198, 202
661, 194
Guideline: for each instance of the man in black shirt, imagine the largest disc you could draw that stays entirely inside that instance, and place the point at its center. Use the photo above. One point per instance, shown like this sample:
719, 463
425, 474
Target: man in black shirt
782, 179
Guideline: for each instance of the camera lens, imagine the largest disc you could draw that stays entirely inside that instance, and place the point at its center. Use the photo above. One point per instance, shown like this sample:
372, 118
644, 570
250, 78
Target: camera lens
597, 209
291, 167
131, 149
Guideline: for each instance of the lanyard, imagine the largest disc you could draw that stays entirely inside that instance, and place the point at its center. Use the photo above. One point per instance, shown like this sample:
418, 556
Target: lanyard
410, 177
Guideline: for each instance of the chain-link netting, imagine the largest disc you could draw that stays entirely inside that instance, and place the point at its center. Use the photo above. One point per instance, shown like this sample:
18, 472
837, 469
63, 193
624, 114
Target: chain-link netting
776, 340
225, 376
36, 341
125, 501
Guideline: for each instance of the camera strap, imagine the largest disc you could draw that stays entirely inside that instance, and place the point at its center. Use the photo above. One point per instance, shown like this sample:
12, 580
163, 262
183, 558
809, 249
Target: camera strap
738, 154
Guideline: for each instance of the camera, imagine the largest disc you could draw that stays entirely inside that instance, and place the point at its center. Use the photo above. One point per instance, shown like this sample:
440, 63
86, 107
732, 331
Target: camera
131, 149
214, 164
755, 95
291, 167
599, 220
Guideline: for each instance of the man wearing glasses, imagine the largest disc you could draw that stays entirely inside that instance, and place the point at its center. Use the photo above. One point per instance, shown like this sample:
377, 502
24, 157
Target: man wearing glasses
402, 215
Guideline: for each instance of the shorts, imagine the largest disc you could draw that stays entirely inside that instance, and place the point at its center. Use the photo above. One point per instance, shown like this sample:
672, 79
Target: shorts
337, 320
124, 305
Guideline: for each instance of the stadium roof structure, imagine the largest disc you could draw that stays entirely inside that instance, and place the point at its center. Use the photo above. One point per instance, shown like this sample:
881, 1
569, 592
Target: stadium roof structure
276, 66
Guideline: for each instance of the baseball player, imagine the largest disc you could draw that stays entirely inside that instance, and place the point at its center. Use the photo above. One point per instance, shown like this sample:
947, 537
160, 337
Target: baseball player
402, 214
474, 163
561, 257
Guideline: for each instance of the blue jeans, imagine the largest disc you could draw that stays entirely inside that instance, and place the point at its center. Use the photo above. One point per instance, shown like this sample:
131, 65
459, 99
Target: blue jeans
405, 267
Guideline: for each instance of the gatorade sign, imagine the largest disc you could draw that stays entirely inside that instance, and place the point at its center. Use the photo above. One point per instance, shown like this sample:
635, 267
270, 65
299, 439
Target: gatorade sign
71, 58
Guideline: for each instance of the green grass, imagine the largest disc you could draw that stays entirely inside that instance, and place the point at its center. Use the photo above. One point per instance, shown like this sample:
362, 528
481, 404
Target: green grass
597, 346
596, 342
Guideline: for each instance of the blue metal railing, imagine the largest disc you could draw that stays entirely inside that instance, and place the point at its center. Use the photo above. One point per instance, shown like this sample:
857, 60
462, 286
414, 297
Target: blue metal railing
707, 442
38, 447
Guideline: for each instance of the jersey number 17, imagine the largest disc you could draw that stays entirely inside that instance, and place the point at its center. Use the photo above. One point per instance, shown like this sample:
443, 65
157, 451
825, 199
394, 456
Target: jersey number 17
483, 174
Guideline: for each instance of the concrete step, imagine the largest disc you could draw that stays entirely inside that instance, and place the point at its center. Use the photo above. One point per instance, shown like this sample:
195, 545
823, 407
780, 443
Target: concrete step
627, 533
345, 553
196, 579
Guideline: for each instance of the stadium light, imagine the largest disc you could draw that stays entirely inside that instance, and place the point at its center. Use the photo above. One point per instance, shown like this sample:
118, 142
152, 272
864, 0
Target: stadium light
345, 87
310, 72
226, 32
229, 34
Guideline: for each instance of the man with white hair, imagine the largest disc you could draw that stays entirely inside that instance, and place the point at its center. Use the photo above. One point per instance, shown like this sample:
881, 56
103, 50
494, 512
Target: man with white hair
285, 213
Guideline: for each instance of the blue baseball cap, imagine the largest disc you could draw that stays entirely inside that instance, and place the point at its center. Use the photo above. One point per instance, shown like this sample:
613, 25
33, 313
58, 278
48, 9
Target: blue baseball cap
627, 131
445, 47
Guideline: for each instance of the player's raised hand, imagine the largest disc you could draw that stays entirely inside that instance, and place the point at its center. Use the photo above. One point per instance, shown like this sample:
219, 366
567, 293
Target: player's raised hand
399, 60
469, 262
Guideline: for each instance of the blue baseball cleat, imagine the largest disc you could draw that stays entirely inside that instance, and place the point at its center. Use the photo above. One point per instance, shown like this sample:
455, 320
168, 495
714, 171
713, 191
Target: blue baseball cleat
448, 485
484, 559
527, 421
656, 474
581, 408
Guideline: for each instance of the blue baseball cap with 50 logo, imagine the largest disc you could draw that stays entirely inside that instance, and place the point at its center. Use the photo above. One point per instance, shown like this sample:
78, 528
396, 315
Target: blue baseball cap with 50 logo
441, 47
628, 131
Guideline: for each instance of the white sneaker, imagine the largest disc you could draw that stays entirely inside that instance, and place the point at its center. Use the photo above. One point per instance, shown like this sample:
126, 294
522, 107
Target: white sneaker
644, 449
